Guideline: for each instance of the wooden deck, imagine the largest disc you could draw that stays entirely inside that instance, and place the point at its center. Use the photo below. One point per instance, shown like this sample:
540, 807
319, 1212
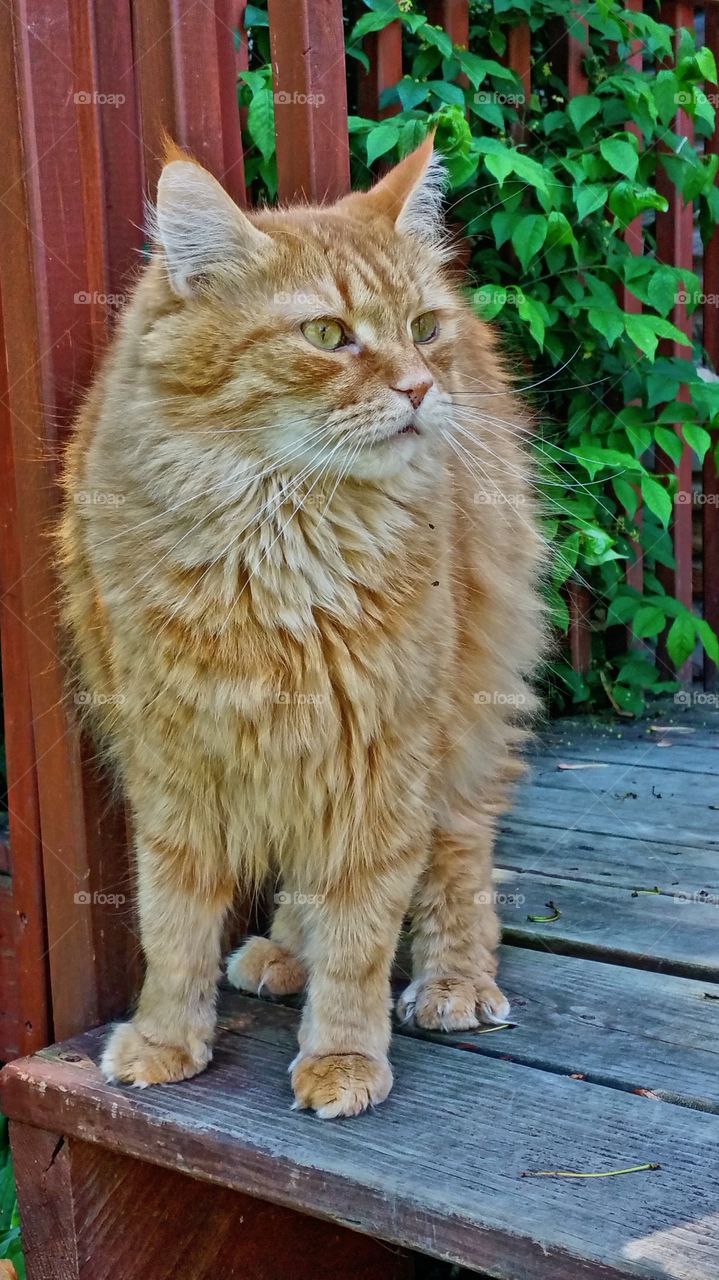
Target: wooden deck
613, 1061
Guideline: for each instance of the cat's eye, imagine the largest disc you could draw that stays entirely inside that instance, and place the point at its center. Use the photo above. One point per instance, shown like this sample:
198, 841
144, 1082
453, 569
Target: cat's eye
326, 334
425, 327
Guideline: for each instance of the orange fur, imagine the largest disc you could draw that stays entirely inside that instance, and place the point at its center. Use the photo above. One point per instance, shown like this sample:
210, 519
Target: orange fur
305, 637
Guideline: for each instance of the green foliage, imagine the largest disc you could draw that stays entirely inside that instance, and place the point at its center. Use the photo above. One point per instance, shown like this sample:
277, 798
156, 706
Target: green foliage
10, 1246
546, 190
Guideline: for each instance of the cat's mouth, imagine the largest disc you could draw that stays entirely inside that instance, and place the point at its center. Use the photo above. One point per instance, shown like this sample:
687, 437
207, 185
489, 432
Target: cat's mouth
409, 430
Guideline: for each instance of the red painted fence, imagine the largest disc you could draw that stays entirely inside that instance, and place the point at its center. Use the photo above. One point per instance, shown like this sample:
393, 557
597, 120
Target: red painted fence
70, 216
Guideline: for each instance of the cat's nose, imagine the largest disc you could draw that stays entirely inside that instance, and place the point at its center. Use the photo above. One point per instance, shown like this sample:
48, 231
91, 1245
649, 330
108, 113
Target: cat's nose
415, 387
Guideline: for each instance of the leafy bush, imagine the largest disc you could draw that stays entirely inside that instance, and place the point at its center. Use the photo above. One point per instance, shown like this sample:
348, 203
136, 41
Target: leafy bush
546, 189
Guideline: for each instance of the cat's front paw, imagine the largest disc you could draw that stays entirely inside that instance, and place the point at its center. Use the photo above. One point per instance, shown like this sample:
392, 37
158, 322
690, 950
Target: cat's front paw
452, 1004
261, 966
130, 1057
340, 1084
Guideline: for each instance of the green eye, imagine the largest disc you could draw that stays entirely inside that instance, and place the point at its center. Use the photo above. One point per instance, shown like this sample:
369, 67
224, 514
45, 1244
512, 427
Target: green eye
425, 327
328, 335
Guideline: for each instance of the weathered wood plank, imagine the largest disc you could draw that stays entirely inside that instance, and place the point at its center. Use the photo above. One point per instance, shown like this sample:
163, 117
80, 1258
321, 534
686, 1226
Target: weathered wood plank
81, 1206
613, 860
586, 808
696, 726
613, 1025
644, 753
437, 1168
649, 931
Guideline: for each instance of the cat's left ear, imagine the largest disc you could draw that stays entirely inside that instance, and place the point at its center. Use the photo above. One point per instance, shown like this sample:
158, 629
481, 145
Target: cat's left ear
410, 194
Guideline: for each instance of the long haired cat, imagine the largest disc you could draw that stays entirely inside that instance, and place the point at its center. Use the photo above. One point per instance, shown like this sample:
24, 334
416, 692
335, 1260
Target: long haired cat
300, 568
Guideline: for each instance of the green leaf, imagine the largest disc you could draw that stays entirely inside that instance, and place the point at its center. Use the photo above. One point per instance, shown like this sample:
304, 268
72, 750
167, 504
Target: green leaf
582, 109
381, 140
670, 442
708, 638
502, 223
261, 122
609, 323
621, 155
626, 495
657, 498
698, 439
648, 621
681, 638
645, 331
588, 198
528, 237
255, 17
412, 93
449, 93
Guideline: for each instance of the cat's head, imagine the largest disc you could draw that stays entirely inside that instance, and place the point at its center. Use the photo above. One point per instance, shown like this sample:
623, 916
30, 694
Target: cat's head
313, 338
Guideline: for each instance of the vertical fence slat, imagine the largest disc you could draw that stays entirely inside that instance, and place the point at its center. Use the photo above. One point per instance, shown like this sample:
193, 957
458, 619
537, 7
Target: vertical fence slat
710, 480
308, 67
202, 44
27, 1022
120, 142
229, 16
384, 50
453, 17
675, 231
51, 227
151, 24
519, 58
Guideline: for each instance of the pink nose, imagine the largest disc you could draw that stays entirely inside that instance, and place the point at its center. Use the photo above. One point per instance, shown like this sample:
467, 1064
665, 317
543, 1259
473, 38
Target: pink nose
415, 387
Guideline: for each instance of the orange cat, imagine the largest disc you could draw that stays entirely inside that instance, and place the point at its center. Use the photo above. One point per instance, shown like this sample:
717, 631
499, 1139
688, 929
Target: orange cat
300, 571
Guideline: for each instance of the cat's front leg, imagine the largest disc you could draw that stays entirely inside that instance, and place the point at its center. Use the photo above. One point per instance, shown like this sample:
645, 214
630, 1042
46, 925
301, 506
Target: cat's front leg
184, 890
351, 936
455, 934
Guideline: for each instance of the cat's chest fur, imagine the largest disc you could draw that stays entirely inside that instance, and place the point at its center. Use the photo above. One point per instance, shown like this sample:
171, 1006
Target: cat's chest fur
325, 624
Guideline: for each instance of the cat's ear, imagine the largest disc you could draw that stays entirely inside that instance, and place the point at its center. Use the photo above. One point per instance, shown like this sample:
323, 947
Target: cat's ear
411, 194
201, 230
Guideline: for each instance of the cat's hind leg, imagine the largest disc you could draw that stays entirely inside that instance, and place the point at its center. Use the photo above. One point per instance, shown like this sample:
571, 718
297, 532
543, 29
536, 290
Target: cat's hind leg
455, 933
272, 966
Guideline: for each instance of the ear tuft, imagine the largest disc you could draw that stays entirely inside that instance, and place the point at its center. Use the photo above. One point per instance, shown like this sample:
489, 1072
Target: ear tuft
199, 228
421, 214
410, 195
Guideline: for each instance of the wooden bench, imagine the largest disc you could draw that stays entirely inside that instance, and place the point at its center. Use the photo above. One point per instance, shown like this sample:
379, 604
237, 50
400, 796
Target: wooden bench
613, 1064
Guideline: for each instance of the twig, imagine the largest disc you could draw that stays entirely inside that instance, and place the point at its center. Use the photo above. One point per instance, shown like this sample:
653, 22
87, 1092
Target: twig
547, 919
571, 1173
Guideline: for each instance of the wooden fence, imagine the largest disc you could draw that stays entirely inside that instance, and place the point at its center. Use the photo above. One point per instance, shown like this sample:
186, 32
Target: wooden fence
88, 87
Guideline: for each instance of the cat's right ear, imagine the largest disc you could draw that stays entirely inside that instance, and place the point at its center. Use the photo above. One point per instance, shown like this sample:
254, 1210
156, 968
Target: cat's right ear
200, 229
